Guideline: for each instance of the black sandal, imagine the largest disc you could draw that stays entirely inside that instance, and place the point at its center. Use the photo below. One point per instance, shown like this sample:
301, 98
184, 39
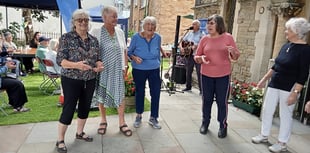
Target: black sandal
127, 132
61, 149
81, 137
102, 130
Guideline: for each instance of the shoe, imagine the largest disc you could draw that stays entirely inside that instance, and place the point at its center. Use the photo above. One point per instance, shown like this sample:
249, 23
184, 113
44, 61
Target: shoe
61, 149
153, 122
81, 137
222, 132
137, 122
187, 89
102, 128
127, 132
277, 147
259, 139
22, 74
203, 129
21, 109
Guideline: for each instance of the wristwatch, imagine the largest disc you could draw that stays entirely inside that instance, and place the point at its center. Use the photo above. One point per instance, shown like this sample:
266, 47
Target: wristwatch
296, 91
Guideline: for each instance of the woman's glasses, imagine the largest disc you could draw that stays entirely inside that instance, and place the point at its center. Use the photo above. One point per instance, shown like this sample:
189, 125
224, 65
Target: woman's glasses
80, 20
211, 22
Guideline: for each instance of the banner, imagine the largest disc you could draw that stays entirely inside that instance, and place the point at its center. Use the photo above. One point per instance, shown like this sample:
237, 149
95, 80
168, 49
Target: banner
66, 8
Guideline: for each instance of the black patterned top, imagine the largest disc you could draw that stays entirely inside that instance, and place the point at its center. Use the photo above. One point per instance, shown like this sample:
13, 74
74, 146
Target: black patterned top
74, 49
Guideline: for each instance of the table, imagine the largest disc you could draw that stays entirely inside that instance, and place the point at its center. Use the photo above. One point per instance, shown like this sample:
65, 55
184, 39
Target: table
20, 54
31, 52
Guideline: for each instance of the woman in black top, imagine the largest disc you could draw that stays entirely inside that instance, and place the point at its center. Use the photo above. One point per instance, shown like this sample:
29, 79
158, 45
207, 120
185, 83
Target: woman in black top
288, 75
35, 40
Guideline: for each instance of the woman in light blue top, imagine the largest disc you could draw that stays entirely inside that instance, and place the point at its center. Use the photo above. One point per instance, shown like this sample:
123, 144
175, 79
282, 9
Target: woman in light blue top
144, 51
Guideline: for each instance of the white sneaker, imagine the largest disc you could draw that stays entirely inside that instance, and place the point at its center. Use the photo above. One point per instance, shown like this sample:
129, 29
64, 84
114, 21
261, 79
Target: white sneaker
277, 147
259, 139
154, 123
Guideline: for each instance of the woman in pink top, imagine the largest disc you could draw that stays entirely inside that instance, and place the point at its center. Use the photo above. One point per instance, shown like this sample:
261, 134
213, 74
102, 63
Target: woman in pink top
215, 52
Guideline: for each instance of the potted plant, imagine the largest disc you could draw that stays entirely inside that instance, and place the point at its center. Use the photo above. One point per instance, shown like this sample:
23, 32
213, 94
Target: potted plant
129, 90
247, 96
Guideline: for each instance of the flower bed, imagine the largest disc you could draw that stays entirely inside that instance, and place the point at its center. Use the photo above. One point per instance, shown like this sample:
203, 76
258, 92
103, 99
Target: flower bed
247, 96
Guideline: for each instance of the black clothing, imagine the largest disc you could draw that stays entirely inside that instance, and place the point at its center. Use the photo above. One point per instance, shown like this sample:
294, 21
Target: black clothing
15, 90
292, 59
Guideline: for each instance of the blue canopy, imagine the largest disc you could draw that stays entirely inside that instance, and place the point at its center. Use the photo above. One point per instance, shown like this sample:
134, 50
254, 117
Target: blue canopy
95, 14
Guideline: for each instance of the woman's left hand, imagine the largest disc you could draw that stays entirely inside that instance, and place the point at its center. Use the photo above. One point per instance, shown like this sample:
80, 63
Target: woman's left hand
99, 67
292, 98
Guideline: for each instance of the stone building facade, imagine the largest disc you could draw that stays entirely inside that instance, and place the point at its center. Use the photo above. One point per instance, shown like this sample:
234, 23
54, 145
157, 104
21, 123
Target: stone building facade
166, 13
258, 29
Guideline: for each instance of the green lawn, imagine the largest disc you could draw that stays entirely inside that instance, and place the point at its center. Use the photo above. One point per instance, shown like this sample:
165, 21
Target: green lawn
43, 107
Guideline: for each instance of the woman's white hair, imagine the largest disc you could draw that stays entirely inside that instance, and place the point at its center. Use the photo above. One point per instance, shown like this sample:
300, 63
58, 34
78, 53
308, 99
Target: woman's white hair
149, 19
299, 26
108, 9
79, 13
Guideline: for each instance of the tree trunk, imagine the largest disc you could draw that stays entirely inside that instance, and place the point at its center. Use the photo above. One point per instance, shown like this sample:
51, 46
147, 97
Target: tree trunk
28, 28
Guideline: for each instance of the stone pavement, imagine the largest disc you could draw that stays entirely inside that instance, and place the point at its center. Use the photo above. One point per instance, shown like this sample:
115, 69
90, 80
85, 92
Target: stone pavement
180, 117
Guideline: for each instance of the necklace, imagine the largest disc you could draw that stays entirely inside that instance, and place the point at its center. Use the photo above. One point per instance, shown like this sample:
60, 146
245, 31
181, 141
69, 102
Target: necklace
289, 47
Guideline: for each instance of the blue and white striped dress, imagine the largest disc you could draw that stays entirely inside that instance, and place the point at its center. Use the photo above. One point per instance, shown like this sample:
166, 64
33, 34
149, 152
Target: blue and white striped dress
111, 88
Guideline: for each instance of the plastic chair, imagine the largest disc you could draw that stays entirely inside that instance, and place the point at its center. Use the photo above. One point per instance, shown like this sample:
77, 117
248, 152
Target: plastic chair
52, 78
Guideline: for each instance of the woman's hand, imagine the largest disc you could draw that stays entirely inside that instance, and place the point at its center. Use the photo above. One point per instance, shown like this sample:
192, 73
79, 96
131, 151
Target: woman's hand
307, 107
261, 83
292, 98
99, 67
198, 59
83, 66
137, 59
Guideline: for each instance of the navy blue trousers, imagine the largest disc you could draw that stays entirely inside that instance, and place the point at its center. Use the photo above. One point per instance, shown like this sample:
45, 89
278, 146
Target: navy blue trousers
219, 88
153, 77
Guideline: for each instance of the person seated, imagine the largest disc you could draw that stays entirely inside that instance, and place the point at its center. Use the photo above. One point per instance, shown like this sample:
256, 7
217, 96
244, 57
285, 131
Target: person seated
10, 47
14, 88
51, 55
4, 56
42, 50
34, 42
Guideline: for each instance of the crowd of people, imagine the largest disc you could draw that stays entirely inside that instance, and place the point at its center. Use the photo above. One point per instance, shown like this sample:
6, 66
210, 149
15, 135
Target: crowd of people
93, 66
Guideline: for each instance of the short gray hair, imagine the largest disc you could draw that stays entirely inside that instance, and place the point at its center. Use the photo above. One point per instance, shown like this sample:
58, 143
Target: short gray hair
77, 14
196, 21
149, 19
299, 26
108, 9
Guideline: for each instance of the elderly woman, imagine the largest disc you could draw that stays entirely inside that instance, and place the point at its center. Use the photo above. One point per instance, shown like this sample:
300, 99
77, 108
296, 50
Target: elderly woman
144, 51
214, 53
288, 75
110, 91
79, 57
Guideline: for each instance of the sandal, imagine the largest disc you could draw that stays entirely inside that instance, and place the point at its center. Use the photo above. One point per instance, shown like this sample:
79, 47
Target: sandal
127, 132
61, 149
101, 130
81, 137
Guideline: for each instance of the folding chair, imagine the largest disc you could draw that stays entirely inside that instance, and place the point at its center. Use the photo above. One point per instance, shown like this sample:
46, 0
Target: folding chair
44, 73
3, 103
51, 80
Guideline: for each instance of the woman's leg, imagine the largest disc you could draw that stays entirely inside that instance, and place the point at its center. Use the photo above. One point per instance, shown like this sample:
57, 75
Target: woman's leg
269, 107
139, 77
207, 99
16, 92
154, 84
221, 94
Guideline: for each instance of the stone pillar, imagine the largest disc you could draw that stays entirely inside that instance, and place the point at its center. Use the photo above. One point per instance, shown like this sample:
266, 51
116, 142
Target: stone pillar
280, 38
283, 9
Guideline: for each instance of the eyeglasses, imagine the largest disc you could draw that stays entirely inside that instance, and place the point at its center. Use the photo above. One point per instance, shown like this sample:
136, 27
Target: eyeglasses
80, 20
211, 23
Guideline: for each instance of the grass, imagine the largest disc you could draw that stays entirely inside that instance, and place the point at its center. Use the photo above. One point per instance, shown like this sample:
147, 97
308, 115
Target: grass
44, 107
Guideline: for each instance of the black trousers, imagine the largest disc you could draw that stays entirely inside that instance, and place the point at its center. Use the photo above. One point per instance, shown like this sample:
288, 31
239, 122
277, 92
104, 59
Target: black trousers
76, 92
15, 90
190, 63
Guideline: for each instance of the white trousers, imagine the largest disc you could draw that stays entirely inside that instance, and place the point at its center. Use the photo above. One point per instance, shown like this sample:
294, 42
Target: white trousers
272, 98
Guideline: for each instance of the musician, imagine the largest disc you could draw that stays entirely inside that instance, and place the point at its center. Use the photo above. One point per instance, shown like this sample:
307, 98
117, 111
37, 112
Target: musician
192, 38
